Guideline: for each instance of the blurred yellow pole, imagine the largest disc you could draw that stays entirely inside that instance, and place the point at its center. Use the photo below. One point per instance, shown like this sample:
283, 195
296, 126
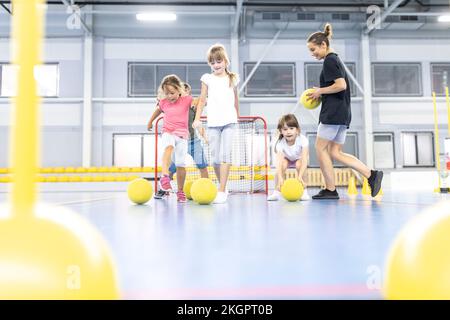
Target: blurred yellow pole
27, 29
436, 138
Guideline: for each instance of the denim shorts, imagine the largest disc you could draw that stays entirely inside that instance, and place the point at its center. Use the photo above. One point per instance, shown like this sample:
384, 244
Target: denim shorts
195, 150
332, 132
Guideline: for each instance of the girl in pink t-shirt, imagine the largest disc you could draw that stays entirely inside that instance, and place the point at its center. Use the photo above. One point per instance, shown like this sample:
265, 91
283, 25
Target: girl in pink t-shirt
175, 106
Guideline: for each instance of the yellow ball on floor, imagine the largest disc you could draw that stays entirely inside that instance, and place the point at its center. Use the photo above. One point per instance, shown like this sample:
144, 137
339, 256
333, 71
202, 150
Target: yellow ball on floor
55, 254
187, 189
309, 103
140, 191
418, 265
292, 189
203, 191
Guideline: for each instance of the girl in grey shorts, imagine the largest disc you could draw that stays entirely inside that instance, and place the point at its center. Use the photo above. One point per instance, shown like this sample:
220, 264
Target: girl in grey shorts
335, 117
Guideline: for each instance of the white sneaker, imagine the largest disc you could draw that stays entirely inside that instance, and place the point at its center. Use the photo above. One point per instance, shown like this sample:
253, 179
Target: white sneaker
221, 197
275, 196
305, 196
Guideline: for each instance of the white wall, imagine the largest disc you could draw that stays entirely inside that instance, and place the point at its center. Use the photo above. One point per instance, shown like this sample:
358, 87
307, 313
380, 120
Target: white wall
416, 113
62, 120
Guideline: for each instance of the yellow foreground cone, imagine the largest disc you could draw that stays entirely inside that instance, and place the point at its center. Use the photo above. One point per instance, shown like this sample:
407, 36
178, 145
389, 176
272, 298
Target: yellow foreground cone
366, 189
352, 190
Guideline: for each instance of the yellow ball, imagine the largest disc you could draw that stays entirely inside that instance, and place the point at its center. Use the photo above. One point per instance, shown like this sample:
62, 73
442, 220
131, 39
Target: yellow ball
418, 265
55, 254
203, 191
292, 189
187, 189
140, 191
309, 103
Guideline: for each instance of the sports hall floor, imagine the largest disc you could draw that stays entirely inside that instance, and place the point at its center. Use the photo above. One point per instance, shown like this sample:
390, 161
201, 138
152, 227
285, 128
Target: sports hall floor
248, 248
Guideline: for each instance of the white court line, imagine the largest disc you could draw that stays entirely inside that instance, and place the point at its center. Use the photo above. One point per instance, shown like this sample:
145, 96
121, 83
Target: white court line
83, 201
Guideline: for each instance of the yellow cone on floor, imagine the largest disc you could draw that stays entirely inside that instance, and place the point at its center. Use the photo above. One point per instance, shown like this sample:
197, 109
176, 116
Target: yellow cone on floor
366, 189
352, 190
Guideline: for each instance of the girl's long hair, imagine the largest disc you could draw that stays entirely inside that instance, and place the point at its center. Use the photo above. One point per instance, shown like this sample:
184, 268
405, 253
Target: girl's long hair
218, 52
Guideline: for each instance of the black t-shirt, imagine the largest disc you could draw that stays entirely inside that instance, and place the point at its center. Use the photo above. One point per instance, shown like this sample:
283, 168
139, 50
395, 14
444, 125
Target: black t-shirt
336, 106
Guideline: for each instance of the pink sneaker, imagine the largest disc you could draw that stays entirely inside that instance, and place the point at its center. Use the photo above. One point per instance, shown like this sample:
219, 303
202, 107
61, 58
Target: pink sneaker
181, 197
165, 183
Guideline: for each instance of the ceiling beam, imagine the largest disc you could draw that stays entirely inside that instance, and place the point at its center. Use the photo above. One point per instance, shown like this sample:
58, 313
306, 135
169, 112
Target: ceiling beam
6, 8
238, 15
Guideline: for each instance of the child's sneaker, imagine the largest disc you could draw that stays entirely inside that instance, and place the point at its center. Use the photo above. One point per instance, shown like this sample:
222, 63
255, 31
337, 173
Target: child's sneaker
161, 194
221, 197
275, 196
164, 183
181, 197
305, 196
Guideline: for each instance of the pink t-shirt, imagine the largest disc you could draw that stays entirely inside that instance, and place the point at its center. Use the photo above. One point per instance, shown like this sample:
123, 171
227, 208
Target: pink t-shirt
176, 116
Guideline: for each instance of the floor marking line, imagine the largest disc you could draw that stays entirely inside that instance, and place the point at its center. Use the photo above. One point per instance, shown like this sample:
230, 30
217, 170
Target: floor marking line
83, 201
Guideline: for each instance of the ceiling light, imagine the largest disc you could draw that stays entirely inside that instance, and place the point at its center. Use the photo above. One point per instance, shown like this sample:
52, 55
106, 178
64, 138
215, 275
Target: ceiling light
444, 18
156, 16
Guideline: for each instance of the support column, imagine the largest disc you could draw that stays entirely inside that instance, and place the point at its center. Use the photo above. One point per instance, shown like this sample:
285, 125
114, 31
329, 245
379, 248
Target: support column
87, 96
367, 99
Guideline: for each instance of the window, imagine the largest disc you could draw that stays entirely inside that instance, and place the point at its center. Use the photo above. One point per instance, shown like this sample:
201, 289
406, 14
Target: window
350, 146
138, 150
396, 79
271, 79
46, 75
127, 150
440, 77
383, 150
340, 16
418, 149
141, 80
144, 78
312, 76
271, 16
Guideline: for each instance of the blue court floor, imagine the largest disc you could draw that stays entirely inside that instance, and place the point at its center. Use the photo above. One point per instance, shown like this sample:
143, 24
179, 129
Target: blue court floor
248, 248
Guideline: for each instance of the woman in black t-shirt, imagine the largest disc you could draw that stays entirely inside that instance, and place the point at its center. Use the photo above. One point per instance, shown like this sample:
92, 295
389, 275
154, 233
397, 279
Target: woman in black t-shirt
335, 117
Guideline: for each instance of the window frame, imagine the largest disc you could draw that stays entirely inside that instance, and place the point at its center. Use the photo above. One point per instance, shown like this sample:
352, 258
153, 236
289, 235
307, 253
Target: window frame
432, 64
353, 89
431, 133
156, 65
58, 78
269, 63
416, 64
335, 164
386, 133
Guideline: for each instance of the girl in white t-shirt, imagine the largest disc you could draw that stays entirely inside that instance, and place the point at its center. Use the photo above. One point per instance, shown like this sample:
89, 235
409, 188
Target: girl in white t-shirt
219, 89
291, 152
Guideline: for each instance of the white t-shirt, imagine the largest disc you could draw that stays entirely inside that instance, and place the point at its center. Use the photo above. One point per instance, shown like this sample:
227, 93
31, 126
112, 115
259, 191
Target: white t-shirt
294, 152
220, 103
